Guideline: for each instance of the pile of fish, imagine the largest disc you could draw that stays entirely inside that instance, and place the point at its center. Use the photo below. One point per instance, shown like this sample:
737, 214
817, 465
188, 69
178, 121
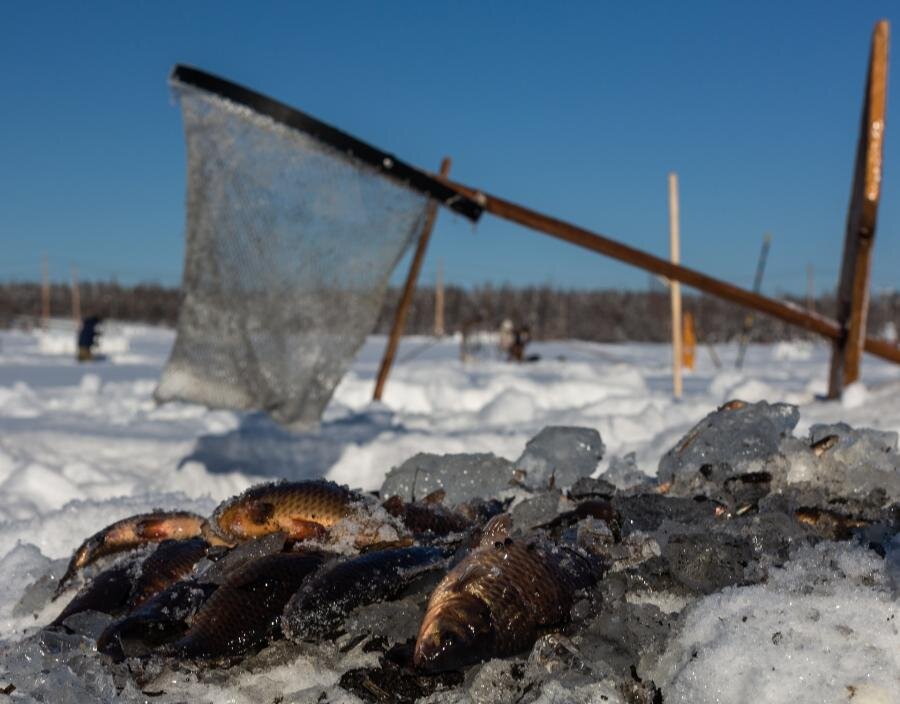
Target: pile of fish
462, 597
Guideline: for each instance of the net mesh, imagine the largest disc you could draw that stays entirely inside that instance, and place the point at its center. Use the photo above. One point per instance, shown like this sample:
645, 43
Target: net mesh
289, 247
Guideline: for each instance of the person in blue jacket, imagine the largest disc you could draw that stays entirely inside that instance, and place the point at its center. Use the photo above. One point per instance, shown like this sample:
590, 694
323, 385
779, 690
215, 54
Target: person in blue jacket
87, 338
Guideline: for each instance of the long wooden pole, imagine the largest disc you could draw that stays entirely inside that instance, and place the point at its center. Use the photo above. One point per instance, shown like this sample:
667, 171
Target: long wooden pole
853, 289
795, 315
674, 286
408, 289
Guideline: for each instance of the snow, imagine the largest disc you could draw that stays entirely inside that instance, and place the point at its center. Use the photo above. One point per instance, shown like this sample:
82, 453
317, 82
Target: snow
82, 445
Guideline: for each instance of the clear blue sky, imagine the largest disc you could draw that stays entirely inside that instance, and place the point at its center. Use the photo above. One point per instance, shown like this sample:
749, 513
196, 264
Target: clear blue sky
579, 109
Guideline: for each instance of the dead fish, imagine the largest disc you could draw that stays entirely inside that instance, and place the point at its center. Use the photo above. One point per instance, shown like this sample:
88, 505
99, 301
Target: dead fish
497, 600
159, 620
130, 533
107, 593
302, 510
593, 508
246, 609
820, 447
830, 524
171, 562
325, 599
427, 518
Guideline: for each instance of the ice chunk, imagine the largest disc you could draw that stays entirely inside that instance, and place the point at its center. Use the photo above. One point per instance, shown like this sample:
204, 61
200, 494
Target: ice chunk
707, 562
561, 455
623, 472
462, 477
845, 461
737, 438
541, 509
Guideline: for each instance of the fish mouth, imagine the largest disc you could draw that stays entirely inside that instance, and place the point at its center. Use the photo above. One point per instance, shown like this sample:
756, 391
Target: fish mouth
456, 634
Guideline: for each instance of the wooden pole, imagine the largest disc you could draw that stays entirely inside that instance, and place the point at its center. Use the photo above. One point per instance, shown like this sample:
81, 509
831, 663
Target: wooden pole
853, 289
788, 312
439, 329
76, 299
757, 285
45, 293
408, 289
674, 286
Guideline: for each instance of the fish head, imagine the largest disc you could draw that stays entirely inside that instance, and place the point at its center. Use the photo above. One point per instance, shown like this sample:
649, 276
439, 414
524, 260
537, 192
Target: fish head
455, 633
245, 519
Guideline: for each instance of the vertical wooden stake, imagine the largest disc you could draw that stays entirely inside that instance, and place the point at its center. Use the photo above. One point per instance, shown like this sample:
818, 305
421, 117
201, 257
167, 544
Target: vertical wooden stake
853, 289
408, 289
76, 299
439, 330
757, 285
674, 286
45, 293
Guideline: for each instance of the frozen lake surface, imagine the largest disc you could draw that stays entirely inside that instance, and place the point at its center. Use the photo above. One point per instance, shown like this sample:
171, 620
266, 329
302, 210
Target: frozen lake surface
82, 445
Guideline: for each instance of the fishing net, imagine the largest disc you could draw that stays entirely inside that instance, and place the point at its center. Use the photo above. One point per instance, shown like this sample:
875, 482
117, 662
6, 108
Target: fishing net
291, 238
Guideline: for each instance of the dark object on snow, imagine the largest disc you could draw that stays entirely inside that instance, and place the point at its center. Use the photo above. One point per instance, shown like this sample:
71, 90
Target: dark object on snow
243, 613
87, 338
495, 602
324, 600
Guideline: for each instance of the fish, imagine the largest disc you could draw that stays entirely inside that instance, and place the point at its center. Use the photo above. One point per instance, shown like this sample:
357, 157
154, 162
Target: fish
325, 599
157, 621
171, 562
130, 533
427, 518
499, 598
245, 611
830, 524
301, 510
106, 593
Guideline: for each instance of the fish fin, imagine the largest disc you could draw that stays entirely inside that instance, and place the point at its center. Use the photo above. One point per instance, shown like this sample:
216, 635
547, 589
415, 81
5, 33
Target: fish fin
304, 530
435, 497
496, 529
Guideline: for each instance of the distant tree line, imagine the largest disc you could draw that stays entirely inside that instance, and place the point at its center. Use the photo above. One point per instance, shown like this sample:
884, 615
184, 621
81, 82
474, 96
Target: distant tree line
551, 313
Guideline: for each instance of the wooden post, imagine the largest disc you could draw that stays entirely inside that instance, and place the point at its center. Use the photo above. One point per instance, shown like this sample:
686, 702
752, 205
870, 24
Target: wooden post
757, 285
45, 293
408, 289
439, 329
853, 289
76, 299
674, 286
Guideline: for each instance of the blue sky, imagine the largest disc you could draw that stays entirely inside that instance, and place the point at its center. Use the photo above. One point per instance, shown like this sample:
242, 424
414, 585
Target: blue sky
577, 109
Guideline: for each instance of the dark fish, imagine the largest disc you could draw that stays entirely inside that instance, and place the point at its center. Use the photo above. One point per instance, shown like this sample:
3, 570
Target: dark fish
497, 600
301, 510
130, 533
172, 561
427, 518
107, 593
159, 620
246, 609
829, 524
326, 598
593, 508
